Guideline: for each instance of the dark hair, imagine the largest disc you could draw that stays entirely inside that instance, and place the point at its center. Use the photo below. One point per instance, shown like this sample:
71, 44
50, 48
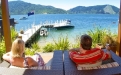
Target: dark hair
86, 42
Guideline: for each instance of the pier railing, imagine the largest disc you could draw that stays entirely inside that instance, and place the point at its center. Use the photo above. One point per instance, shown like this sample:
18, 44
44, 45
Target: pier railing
33, 29
29, 32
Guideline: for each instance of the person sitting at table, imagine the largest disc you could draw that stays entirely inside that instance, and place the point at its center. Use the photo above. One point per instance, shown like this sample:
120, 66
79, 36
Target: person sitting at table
15, 56
85, 56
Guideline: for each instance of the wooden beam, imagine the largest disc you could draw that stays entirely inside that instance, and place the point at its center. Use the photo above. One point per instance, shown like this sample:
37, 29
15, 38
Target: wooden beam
6, 24
119, 33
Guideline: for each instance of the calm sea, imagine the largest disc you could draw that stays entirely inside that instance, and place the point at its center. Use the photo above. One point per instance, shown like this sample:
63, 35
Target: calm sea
82, 23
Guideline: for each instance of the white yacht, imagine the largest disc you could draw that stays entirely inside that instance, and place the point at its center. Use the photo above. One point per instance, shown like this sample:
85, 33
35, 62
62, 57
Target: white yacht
63, 24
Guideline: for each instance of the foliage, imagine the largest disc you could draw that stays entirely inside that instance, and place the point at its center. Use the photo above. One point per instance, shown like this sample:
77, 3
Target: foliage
98, 34
98, 9
61, 44
34, 49
2, 47
48, 48
35, 46
2, 41
20, 7
29, 51
102, 36
77, 42
14, 33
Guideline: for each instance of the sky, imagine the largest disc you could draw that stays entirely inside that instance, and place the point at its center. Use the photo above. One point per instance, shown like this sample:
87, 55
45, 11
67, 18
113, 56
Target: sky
68, 4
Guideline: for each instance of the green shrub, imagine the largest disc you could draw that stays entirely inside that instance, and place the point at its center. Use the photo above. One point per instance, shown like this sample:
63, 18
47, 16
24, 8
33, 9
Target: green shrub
77, 42
34, 49
62, 43
35, 46
29, 51
100, 35
14, 33
2, 47
48, 48
2, 41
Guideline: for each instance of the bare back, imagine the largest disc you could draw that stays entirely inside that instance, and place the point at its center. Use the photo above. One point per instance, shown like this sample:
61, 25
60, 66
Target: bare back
18, 61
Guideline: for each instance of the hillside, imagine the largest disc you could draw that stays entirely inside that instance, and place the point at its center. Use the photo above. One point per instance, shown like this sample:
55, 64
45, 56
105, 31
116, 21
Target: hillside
99, 9
21, 7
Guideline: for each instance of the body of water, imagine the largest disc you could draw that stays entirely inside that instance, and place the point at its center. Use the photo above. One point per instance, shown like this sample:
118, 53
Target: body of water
82, 23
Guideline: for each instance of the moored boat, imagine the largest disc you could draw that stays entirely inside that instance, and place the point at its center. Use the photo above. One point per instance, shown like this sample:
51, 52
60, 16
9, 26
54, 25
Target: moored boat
23, 18
65, 24
43, 32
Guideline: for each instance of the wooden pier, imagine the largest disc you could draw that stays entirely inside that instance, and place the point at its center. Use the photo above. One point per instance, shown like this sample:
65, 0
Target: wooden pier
50, 24
30, 33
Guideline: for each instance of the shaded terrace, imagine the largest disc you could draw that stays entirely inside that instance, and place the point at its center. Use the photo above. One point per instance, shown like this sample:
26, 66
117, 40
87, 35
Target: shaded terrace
6, 27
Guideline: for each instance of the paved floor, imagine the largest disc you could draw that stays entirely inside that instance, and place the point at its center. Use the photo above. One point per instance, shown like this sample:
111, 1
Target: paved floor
47, 57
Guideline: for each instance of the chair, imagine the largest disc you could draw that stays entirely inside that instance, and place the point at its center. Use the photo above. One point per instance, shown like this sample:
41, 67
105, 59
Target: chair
71, 69
56, 67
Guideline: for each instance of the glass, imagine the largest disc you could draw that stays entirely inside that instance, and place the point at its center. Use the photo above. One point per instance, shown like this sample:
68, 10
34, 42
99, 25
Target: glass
107, 46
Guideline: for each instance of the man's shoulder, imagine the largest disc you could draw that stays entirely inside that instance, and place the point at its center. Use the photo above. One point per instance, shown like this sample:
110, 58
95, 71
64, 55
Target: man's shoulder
95, 49
74, 49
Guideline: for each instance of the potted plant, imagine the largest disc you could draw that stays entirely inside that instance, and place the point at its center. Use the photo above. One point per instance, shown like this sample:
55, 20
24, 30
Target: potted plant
110, 41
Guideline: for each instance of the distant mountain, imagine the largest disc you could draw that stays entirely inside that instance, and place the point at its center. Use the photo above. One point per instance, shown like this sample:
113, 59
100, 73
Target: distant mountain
21, 7
99, 9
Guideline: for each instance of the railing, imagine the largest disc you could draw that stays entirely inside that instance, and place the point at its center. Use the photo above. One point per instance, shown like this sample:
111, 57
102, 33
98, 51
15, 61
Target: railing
29, 32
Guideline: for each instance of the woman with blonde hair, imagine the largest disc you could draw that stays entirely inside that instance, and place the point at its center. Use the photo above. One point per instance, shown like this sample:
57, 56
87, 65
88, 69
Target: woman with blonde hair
15, 56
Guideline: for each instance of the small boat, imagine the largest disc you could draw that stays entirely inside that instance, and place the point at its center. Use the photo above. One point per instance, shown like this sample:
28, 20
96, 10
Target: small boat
43, 32
65, 24
15, 22
23, 18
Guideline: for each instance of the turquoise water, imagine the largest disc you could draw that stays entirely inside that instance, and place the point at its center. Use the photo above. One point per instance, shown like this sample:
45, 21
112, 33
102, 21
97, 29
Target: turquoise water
82, 23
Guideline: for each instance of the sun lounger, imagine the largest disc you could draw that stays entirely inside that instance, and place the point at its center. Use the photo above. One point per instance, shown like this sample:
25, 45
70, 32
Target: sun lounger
58, 59
71, 69
56, 68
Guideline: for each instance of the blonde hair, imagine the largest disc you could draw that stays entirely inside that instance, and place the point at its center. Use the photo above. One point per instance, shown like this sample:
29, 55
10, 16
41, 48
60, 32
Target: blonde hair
17, 48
